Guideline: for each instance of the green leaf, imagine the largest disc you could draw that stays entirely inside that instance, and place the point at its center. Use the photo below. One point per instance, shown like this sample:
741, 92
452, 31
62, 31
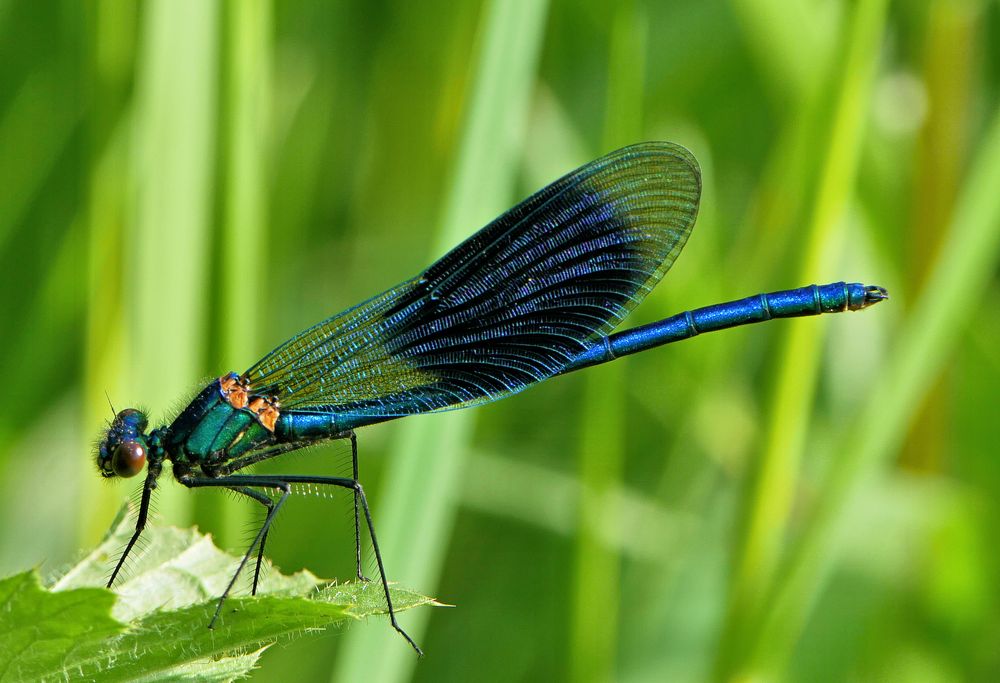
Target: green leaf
153, 626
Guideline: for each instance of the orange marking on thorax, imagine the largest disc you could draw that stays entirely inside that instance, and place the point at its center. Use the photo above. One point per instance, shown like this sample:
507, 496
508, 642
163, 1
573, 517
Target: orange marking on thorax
266, 411
268, 416
236, 391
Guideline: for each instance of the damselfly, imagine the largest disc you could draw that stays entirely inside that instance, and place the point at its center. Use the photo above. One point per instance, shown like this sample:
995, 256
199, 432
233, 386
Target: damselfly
535, 293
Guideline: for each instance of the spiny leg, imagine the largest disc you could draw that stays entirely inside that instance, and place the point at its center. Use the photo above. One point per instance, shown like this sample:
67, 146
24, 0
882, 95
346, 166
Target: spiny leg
267, 503
140, 524
284, 483
357, 521
286, 490
265, 453
259, 542
360, 493
274, 450
262, 482
381, 569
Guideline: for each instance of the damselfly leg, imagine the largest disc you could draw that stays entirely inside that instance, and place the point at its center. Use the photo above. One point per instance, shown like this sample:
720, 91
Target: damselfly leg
284, 484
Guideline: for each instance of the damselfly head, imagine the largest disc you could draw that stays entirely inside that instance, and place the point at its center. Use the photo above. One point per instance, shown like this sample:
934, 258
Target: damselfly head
122, 452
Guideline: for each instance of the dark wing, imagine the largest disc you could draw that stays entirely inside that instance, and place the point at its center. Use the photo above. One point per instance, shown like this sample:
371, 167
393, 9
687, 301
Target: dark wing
509, 306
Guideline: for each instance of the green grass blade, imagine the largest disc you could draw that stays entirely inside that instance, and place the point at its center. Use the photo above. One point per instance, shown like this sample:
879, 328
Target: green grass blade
240, 275
244, 225
167, 251
957, 283
593, 650
771, 490
417, 505
28, 158
112, 55
789, 40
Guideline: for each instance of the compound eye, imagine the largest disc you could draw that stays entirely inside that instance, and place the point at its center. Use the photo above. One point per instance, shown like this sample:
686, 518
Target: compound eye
129, 459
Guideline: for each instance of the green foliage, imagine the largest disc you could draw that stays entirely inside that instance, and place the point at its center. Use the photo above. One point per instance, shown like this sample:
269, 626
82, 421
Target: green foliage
480, 187
153, 626
186, 183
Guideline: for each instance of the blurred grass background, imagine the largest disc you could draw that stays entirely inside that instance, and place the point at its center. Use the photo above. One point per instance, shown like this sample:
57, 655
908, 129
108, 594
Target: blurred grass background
184, 184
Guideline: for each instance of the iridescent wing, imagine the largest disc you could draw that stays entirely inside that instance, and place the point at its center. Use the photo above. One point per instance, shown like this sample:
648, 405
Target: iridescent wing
508, 307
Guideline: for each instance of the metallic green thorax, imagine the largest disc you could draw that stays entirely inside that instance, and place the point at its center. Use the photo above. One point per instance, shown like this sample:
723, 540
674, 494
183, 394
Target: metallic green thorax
211, 431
